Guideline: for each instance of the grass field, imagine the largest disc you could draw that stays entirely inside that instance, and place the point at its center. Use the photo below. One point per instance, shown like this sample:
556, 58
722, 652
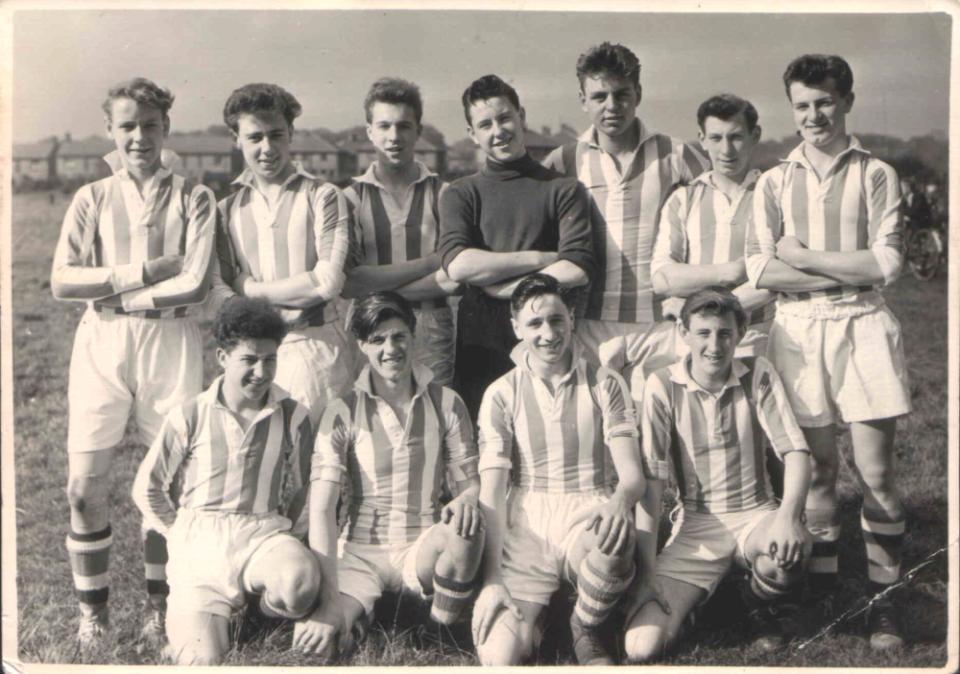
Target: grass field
43, 334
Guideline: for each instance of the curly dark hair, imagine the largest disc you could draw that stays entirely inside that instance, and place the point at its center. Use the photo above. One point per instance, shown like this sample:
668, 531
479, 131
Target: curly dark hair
488, 86
538, 284
247, 318
614, 59
713, 301
726, 107
141, 90
374, 308
813, 69
394, 90
260, 97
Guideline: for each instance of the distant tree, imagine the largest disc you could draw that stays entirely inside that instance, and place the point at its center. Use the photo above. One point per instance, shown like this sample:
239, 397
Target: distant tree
219, 130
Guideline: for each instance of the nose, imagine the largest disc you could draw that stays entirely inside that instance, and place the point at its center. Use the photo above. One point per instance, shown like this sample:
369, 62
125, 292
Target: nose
726, 147
136, 133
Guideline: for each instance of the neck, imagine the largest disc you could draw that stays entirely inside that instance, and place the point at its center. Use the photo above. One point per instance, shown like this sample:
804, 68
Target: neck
265, 185
712, 383
729, 183
396, 176
497, 162
551, 371
238, 404
399, 390
625, 142
827, 152
141, 175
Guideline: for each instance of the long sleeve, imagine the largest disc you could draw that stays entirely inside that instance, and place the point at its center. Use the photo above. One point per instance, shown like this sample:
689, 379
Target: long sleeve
671, 241
458, 230
151, 487
74, 275
573, 215
459, 445
332, 240
767, 225
190, 286
885, 220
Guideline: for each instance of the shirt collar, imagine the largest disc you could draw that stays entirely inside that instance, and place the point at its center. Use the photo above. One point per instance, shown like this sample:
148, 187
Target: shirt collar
169, 160
520, 356
798, 157
422, 375
680, 373
370, 177
748, 181
211, 396
247, 180
590, 136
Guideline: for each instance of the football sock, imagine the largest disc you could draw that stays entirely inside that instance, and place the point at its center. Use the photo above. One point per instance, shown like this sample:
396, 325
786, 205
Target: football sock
598, 592
824, 526
450, 598
883, 538
90, 563
155, 566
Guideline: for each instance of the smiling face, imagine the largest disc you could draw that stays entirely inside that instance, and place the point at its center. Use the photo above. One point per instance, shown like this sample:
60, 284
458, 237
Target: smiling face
263, 138
497, 128
393, 130
820, 112
138, 131
712, 340
248, 369
611, 102
729, 144
388, 349
545, 325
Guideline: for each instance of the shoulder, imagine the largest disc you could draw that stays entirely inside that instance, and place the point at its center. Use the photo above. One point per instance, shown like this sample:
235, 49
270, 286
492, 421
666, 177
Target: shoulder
338, 411
658, 383
878, 170
503, 388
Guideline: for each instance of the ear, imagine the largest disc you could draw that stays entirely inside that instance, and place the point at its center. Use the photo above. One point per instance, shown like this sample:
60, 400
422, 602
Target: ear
516, 327
700, 136
583, 99
166, 126
849, 99
472, 136
756, 133
236, 139
523, 116
369, 132
639, 94
222, 356
108, 125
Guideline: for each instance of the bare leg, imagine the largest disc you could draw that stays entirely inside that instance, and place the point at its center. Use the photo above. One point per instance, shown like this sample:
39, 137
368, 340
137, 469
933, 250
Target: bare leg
198, 638
509, 641
652, 631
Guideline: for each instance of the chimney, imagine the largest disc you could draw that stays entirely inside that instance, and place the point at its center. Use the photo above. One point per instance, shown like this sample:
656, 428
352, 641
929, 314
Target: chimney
546, 131
66, 137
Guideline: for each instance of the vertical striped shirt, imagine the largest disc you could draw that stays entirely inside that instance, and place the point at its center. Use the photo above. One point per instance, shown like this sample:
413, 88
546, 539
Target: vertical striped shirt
856, 206
555, 442
204, 457
388, 232
715, 441
700, 224
111, 230
305, 231
624, 211
395, 472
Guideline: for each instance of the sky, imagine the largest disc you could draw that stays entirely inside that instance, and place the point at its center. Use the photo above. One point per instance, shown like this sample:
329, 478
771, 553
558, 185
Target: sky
64, 61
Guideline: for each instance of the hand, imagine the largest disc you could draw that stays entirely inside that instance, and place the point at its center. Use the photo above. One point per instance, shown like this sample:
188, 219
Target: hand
162, 268
292, 317
785, 540
646, 592
613, 521
789, 247
736, 272
317, 633
239, 283
492, 599
463, 516
447, 284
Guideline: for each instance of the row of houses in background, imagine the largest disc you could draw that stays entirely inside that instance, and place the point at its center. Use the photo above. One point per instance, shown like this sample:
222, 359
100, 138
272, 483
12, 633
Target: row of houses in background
212, 157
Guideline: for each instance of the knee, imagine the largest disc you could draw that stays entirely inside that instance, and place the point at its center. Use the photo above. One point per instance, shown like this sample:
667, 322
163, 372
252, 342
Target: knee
645, 643
618, 565
461, 555
295, 589
877, 476
192, 654
824, 471
508, 643
87, 494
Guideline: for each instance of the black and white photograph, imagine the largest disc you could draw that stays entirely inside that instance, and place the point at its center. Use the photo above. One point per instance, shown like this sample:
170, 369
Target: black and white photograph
490, 334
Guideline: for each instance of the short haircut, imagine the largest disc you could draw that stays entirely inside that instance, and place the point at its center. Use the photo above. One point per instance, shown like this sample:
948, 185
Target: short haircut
374, 308
488, 86
713, 301
247, 318
811, 69
536, 285
141, 90
260, 97
396, 91
613, 59
726, 107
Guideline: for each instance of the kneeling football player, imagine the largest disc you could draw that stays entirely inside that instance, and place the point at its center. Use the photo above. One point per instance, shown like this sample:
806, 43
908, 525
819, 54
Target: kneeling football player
394, 437
708, 413
568, 431
232, 453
